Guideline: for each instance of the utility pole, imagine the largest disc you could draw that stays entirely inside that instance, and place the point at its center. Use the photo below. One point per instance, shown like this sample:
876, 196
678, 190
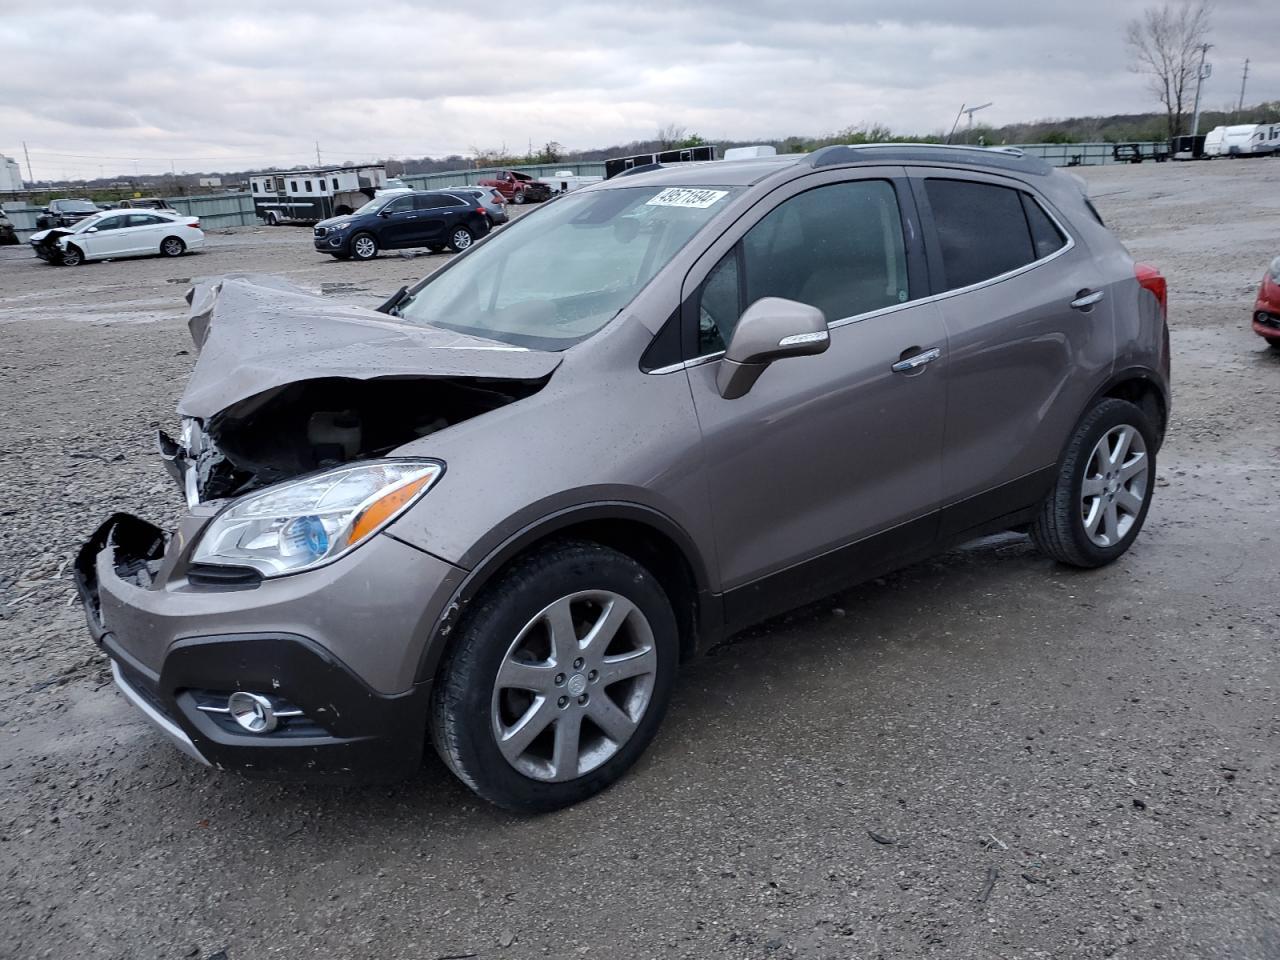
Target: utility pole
1201, 76
28, 156
318, 154
1243, 80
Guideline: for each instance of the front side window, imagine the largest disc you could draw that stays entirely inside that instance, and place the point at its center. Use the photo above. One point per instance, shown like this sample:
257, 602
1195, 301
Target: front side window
604, 246
400, 205
986, 230
839, 248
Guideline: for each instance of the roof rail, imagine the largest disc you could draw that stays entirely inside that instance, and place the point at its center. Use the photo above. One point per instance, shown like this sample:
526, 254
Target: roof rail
643, 168
1002, 158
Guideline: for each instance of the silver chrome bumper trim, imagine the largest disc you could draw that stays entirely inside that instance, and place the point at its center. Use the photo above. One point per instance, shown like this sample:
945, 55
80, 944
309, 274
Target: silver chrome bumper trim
167, 726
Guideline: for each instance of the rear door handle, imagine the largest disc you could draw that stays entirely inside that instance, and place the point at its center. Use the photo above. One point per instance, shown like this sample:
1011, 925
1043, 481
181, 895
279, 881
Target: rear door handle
1087, 300
919, 360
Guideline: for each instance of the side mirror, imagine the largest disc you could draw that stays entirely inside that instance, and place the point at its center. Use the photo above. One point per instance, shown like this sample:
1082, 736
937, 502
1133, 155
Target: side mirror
384, 212
46, 210
770, 329
92, 230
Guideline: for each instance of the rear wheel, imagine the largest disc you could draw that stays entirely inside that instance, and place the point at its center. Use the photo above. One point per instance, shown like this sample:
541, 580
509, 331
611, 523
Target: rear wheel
72, 256
461, 238
273, 220
364, 246
1100, 500
172, 247
558, 678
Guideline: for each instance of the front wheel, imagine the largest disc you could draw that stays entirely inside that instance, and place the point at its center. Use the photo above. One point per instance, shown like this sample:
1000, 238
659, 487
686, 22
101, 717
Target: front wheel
558, 678
363, 246
1103, 491
461, 238
519, 197
72, 256
173, 247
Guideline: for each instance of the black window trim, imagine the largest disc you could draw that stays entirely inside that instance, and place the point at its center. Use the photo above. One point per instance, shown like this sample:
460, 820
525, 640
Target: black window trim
937, 279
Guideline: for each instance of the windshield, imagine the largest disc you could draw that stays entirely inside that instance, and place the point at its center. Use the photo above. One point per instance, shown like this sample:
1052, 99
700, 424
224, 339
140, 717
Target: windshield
373, 206
76, 206
568, 270
86, 223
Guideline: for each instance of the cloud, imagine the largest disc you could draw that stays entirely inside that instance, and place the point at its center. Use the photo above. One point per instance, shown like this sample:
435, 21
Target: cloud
228, 84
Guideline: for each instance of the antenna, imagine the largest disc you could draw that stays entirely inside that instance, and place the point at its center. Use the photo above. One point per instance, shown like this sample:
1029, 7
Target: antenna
971, 111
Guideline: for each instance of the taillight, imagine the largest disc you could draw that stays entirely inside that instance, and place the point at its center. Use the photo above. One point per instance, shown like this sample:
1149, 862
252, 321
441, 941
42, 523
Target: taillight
193, 223
1149, 278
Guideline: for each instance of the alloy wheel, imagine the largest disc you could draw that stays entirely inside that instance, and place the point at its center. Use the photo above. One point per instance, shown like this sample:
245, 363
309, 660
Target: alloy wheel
1115, 485
365, 248
172, 247
574, 685
461, 240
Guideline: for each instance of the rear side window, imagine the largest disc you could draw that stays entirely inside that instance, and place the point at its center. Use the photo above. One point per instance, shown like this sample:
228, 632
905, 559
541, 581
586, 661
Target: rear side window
981, 229
1046, 238
839, 248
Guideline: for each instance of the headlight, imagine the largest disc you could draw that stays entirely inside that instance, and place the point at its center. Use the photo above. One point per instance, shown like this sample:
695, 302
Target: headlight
304, 523
340, 226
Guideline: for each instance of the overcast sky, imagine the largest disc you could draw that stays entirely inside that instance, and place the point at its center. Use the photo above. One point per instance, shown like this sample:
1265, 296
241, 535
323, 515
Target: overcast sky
225, 84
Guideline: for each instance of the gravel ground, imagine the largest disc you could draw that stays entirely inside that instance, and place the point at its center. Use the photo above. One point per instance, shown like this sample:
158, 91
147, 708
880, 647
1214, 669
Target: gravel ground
985, 755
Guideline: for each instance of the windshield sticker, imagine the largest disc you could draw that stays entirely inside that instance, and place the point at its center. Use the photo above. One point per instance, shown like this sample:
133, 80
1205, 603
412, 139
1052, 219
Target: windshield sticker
687, 197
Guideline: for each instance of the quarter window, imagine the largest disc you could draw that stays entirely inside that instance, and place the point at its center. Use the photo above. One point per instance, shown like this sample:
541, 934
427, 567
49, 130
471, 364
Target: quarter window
986, 230
839, 248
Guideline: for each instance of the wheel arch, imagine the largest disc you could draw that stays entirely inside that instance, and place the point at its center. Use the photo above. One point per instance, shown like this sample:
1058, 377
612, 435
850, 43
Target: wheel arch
1145, 389
642, 533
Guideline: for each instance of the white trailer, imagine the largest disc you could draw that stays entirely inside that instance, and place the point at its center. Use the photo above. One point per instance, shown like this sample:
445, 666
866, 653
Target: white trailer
308, 196
1243, 140
565, 181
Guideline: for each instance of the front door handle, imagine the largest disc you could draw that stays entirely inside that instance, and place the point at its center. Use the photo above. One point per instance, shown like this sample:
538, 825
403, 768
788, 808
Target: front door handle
1086, 300
907, 364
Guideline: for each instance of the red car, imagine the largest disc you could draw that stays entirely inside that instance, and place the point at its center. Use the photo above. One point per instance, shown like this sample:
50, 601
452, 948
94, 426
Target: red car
1266, 312
518, 187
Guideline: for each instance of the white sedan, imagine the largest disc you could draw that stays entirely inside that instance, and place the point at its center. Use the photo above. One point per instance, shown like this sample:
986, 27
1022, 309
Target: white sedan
115, 234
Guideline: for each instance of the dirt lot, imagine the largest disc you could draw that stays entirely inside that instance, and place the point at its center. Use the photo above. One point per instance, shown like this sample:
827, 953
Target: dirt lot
1063, 764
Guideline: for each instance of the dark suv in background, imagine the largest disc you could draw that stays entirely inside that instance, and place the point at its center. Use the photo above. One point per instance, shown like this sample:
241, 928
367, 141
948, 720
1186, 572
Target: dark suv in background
433, 219
66, 213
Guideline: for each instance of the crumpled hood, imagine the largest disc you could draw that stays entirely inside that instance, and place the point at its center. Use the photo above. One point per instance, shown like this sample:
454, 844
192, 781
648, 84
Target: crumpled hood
258, 333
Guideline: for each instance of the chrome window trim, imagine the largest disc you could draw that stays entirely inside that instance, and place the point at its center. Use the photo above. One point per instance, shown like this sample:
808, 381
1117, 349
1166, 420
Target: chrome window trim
932, 298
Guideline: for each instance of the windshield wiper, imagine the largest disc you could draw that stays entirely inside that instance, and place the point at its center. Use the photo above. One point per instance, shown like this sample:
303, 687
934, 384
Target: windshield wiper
394, 301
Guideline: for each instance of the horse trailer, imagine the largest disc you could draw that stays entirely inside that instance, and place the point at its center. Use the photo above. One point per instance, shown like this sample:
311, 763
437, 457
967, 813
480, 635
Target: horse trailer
308, 196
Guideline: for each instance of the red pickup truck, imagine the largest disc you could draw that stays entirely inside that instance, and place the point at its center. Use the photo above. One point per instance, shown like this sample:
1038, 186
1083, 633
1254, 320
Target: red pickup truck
518, 187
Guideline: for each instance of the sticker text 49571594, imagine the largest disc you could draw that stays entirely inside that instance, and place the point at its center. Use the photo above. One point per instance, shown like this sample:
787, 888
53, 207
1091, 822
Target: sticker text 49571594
687, 197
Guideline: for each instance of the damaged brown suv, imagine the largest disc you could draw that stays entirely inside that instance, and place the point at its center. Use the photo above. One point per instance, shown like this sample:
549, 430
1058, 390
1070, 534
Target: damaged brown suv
496, 513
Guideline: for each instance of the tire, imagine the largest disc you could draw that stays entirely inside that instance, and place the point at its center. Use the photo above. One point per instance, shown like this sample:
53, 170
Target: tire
364, 246
518, 197
73, 256
461, 238
507, 628
172, 247
273, 220
1092, 530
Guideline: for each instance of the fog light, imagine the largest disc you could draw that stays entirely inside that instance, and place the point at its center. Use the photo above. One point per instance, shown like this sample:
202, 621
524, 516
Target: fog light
252, 711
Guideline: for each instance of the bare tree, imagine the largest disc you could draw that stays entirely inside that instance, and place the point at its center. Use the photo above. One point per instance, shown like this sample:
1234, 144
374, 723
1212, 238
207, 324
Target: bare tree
670, 134
1165, 44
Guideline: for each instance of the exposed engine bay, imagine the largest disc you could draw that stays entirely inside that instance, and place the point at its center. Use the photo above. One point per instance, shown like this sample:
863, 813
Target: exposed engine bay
288, 382
317, 424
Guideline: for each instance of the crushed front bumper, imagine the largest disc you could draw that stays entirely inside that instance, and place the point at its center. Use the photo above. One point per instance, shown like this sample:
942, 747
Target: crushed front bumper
327, 646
